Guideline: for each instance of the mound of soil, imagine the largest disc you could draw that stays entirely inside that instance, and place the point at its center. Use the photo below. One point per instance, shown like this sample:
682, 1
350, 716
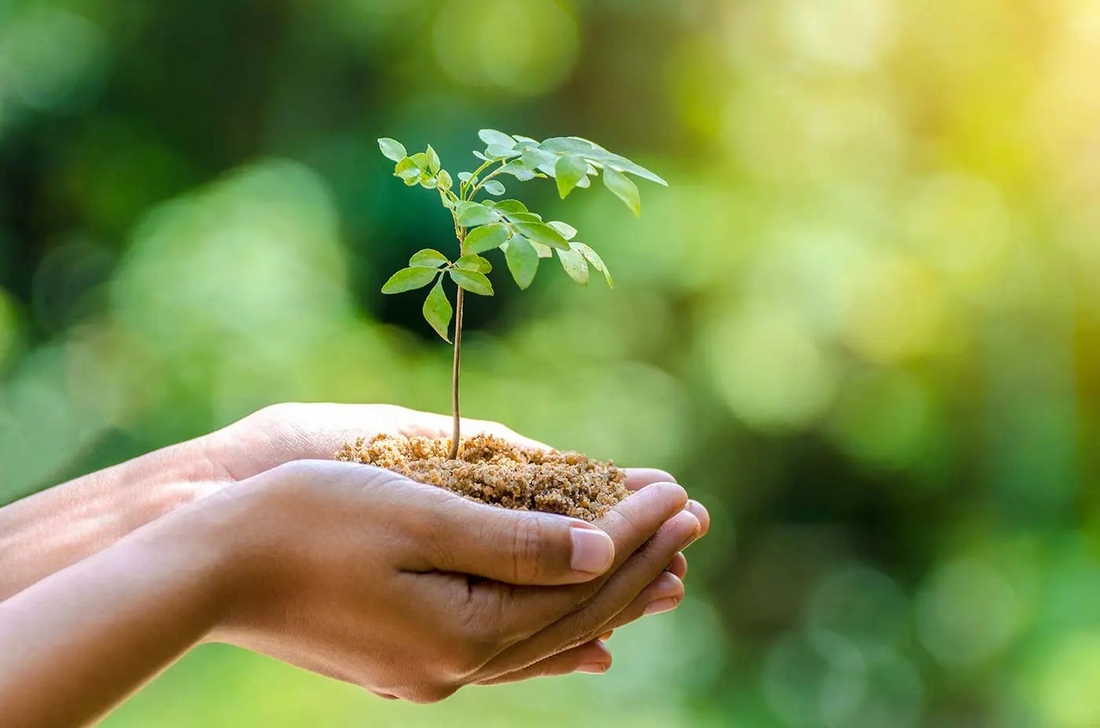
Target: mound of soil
493, 471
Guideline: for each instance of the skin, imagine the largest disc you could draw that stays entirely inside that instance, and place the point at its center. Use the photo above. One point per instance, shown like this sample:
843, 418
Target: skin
437, 593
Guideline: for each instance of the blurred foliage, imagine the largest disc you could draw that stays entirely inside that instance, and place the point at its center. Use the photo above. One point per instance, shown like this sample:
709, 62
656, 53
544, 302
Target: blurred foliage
863, 325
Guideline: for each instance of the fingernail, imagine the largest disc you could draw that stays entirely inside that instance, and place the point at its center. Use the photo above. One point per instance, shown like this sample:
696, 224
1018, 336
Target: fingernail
593, 551
661, 605
606, 635
594, 668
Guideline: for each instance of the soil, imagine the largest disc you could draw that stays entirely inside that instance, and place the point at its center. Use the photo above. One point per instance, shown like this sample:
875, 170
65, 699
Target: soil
493, 471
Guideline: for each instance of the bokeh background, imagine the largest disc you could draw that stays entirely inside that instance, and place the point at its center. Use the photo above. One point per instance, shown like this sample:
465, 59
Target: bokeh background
862, 325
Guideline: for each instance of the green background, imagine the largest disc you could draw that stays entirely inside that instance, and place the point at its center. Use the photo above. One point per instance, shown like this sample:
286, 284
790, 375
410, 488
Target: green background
862, 325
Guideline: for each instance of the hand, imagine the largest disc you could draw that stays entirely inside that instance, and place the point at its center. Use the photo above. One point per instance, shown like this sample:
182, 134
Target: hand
345, 569
381, 595
62, 526
292, 431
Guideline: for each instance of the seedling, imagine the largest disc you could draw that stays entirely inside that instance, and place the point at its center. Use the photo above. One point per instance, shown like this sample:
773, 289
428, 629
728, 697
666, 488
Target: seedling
487, 224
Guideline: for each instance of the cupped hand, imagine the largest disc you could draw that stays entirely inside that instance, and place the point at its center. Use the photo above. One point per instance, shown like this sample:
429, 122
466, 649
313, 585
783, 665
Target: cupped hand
288, 432
282, 433
412, 591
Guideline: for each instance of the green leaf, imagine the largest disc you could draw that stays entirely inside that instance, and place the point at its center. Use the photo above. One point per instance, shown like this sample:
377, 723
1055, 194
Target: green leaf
623, 164
427, 258
465, 176
568, 171
623, 188
519, 170
420, 159
407, 279
486, 237
523, 261
567, 231
534, 157
475, 263
428, 182
595, 261
544, 251
507, 206
433, 160
575, 265
392, 149
568, 145
524, 217
529, 140
407, 170
481, 156
472, 281
471, 214
541, 233
496, 151
437, 310
445, 180
594, 152
493, 137
494, 187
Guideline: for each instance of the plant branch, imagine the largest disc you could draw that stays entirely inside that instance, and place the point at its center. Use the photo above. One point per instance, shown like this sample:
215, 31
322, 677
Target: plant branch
462, 187
481, 183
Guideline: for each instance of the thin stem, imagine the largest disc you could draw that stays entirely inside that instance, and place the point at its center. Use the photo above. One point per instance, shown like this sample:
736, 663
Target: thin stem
481, 183
453, 455
462, 187
460, 233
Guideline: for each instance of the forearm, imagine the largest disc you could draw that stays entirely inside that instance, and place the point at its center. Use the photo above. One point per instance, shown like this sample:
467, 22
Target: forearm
60, 526
78, 642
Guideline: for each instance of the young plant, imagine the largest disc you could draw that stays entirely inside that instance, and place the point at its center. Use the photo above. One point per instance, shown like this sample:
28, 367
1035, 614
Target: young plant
487, 224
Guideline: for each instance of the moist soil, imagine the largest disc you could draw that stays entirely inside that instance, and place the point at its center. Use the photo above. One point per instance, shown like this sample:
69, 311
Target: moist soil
493, 471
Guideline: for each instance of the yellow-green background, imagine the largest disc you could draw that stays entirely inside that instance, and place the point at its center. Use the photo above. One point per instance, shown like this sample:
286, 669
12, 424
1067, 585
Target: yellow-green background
863, 324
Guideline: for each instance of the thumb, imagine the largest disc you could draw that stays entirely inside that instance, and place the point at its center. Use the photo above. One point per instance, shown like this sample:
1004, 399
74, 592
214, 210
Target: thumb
521, 547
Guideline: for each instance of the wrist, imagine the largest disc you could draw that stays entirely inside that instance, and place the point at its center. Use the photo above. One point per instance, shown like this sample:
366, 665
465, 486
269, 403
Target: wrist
247, 528
212, 536
127, 496
50, 530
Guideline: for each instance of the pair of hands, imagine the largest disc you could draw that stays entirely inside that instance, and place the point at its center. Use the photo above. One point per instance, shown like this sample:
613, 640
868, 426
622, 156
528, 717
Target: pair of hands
412, 591
255, 536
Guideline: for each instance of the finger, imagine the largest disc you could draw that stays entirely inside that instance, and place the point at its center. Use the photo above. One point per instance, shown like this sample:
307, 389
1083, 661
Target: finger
679, 566
661, 587
515, 547
592, 658
616, 595
632, 522
637, 518
702, 514
638, 478
662, 595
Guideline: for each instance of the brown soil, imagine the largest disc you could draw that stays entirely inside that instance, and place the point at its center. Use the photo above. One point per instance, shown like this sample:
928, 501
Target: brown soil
491, 470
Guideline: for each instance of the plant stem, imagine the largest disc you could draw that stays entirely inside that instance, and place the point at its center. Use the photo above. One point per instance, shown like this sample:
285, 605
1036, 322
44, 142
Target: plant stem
465, 192
481, 183
454, 376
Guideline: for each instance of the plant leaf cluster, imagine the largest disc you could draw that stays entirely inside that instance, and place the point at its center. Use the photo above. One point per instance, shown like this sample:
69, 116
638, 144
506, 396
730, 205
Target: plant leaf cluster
484, 222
